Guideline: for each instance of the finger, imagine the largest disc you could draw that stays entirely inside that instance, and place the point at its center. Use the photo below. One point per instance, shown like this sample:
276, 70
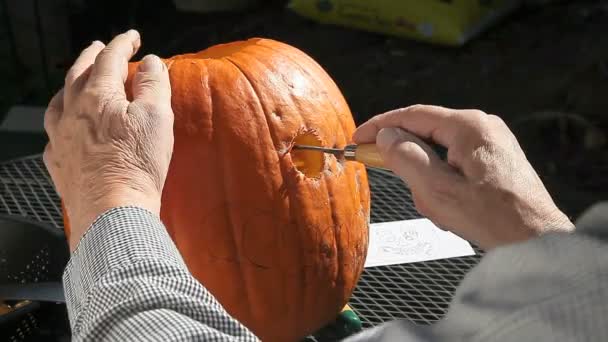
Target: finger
78, 71
111, 65
430, 179
53, 112
151, 86
422, 120
410, 157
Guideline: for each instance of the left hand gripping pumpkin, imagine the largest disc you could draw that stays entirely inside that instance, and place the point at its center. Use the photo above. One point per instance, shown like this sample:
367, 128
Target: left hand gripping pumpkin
278, 237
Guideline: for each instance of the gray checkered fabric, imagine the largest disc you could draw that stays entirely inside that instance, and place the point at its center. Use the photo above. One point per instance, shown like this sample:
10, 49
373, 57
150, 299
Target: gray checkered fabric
127, 282
552, 288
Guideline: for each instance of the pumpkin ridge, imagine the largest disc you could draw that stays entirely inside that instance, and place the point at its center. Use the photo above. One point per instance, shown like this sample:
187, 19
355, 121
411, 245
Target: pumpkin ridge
305, 129
347, 171
334, 219
342, 126
274, 138
257, 95
330, 187
305, 70
220, 164
202, 67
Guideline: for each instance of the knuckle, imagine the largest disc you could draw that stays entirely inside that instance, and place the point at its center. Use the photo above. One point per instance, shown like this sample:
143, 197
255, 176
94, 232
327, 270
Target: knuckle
475, 114
408, 147
398, 150
471, 119
484, 155
498, 123
109, 107
139, 109
97, 95
93, 101
90, 96
495, 119
479, 113
475, 125
415, 107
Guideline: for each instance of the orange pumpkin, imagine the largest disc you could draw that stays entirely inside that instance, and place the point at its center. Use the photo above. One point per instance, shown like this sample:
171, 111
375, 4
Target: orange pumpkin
278, 236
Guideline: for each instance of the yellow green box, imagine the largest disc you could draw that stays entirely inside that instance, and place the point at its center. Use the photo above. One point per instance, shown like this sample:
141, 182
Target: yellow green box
445, 22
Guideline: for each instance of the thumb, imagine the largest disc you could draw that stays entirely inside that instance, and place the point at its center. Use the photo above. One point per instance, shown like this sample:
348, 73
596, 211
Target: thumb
151, 86
407, 155
431, 180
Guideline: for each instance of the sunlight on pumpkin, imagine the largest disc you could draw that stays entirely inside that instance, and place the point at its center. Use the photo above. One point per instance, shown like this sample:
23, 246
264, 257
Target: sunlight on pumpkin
310, 163
225, 50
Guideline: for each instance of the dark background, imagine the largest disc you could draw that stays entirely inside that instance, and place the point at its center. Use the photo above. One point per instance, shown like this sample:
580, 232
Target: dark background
543, 69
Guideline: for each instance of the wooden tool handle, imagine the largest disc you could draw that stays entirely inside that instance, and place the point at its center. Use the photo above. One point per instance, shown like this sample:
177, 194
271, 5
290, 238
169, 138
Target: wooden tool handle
368, 154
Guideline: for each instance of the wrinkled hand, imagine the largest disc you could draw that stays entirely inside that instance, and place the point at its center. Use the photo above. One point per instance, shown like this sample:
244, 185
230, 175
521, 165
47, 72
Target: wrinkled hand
486, 191
105, 151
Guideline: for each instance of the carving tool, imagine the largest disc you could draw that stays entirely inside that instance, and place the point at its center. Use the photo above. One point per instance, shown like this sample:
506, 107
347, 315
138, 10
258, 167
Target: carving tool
364, 153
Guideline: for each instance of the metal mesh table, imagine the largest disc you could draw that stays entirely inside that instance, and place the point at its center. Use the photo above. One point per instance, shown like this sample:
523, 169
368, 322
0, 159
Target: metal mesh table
419, 292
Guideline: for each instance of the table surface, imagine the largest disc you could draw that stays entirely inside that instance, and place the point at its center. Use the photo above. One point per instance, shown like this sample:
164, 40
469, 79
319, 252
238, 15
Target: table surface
419, 292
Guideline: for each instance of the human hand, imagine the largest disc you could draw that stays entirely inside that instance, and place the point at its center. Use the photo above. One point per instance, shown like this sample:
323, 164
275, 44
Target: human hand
105, 151
486, 191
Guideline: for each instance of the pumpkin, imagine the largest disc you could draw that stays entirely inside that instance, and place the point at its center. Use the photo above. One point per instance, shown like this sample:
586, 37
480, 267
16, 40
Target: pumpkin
278, 236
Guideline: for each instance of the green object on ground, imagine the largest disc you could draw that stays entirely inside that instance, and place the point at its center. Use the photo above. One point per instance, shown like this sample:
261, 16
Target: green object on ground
351, 321
347, 323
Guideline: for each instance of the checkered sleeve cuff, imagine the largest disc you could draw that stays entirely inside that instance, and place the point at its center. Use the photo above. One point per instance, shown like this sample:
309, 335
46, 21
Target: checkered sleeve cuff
119, 236
126, 281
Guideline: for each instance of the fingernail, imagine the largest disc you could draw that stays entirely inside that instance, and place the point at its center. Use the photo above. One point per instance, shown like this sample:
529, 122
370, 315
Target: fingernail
133, 33
388, 136
151, 63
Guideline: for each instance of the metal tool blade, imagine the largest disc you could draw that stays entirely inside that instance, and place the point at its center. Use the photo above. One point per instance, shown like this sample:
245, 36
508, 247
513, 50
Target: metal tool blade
335, 151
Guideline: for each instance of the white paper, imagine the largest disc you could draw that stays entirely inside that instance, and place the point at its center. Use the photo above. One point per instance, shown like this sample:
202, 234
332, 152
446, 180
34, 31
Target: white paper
408, 241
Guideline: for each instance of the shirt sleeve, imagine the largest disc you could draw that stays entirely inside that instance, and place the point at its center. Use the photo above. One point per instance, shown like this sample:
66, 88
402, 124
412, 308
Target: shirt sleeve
552, 288
126, 281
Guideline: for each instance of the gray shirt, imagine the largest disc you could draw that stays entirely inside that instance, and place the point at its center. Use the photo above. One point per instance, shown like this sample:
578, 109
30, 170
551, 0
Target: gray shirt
127, 281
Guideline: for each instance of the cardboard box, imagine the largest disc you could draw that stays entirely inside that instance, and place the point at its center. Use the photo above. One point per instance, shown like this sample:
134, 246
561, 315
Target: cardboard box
445, 22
